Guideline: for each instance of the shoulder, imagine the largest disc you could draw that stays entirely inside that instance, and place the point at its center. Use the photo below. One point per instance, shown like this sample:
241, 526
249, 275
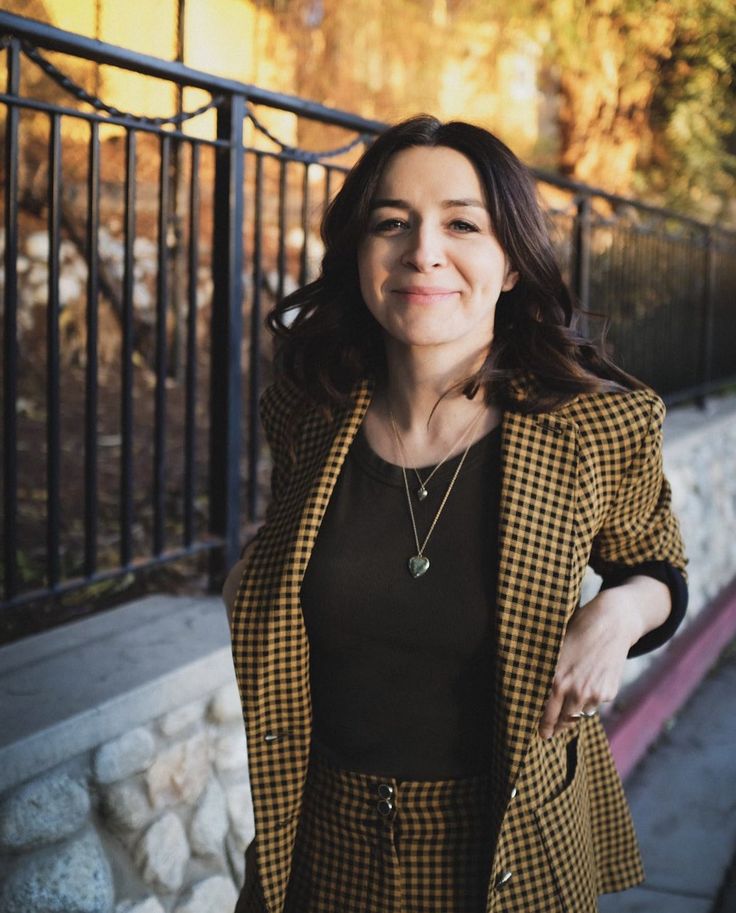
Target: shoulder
616, 421
282, 406
620, 409
280, 398
285, 407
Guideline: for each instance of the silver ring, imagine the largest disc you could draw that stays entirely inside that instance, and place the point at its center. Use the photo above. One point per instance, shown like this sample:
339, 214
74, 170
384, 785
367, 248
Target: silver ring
585, 714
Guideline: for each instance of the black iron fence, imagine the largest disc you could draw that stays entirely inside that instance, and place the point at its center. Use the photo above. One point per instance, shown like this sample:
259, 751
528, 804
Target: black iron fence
140, 254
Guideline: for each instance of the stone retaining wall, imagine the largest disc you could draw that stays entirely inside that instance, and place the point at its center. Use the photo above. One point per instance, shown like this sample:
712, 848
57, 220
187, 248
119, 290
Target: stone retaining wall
137, 800
155, 819
123, 771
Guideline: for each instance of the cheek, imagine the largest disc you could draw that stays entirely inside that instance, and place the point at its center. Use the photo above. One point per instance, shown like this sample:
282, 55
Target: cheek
371, 273
365, 267
365, 290
491, 274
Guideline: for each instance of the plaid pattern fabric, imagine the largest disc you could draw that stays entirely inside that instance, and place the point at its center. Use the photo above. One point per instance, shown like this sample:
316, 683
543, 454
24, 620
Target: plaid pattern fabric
372, 843
583, 484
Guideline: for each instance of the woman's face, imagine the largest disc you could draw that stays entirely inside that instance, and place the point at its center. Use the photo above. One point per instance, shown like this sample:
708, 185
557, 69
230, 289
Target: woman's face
430, 267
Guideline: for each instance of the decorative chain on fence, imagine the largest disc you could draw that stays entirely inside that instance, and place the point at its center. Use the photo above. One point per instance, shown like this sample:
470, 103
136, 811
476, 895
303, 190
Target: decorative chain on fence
304, 155
81, 94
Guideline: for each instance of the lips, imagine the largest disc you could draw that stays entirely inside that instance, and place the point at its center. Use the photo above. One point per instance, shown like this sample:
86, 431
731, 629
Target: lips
425, 291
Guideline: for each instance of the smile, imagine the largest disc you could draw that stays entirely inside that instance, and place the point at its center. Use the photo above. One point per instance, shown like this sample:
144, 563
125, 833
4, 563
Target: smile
424, 293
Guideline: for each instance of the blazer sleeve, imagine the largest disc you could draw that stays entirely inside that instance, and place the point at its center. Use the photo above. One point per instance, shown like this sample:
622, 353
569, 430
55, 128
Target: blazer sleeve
640, 527
671, 576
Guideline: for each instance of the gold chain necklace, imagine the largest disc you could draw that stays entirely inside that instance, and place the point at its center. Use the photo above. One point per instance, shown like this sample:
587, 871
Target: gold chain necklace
419, 563
422, 491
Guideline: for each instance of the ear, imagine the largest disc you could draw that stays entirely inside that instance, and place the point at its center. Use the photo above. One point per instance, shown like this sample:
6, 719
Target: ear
512, 277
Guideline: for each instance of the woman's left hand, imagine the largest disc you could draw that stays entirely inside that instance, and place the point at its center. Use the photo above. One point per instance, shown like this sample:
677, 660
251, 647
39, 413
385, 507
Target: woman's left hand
594, 649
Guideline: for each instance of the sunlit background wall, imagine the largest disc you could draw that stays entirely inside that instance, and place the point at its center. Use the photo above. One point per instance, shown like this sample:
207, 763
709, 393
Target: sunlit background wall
637, 97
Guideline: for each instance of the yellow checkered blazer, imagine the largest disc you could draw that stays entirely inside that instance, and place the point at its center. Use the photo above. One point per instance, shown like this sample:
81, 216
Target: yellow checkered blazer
580, 485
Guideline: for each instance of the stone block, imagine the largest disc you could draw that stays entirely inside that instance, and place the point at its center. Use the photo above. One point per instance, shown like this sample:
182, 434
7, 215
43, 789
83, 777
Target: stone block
179, 773
74, 878
162, 853
37, 297
230, 750
38, 275
78, 267
38, 246
144, 247
70, 288
180, 719
43, 811
149, 905
142, 298
68, 251
240, 812
125, 805
209, 822
215, 893
110, 248
225, 705
129, 754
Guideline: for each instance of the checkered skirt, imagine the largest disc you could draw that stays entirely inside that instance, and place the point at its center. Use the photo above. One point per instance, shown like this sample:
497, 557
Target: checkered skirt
378, 844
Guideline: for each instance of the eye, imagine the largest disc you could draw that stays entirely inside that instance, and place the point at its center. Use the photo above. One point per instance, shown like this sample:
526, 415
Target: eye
387, 226
463, 225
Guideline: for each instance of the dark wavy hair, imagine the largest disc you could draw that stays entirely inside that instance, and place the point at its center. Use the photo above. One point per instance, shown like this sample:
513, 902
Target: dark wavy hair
326, 339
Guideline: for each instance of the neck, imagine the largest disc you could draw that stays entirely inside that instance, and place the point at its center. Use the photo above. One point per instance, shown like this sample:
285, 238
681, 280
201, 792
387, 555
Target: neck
414, 383
411, 389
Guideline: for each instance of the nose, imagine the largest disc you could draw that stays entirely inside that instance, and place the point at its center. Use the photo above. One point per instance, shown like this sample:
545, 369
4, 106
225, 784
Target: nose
424, 249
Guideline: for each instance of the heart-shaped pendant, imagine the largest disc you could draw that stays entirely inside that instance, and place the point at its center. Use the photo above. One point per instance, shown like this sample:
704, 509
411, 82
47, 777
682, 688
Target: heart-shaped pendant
418, 565
422, 493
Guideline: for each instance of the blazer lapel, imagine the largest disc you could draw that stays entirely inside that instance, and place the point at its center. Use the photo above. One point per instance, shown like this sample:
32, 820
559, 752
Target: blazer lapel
535, 574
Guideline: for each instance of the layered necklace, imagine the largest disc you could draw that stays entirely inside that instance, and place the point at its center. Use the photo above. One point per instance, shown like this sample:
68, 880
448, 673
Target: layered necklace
419, 563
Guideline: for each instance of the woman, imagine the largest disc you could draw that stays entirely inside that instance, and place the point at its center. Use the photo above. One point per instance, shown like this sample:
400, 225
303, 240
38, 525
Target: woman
419, 681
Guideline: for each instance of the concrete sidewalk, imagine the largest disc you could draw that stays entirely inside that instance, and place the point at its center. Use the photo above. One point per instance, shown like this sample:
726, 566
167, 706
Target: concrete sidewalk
683, 799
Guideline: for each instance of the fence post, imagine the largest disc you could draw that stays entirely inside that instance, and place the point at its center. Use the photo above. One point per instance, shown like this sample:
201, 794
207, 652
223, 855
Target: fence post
581, 252
581, 257
706, 336
10, 341
255, 345
227, 331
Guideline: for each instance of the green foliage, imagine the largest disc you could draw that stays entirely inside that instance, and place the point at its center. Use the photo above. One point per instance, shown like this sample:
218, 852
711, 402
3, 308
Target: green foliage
693, 165
644, 89
661, 71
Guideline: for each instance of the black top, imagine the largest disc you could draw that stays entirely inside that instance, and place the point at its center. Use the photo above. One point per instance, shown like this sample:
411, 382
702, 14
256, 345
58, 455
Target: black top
402, 668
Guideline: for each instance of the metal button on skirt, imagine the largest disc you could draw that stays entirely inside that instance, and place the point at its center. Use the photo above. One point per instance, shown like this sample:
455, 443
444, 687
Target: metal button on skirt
375, 844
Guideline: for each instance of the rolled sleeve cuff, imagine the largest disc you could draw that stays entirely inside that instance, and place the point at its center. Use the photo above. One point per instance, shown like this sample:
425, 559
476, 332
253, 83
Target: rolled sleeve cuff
667, 573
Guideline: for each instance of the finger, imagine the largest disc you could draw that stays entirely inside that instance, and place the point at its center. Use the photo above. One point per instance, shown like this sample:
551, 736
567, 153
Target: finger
566, 722
574, 719
574, 701
551, 712
565, 726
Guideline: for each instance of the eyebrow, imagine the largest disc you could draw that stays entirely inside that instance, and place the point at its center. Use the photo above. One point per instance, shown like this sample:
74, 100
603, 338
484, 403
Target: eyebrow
446, 204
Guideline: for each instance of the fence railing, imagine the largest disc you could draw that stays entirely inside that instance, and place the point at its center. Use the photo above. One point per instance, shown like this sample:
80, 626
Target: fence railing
140, 254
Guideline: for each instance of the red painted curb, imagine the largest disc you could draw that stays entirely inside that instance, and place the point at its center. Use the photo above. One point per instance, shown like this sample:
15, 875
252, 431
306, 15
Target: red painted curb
666, 688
